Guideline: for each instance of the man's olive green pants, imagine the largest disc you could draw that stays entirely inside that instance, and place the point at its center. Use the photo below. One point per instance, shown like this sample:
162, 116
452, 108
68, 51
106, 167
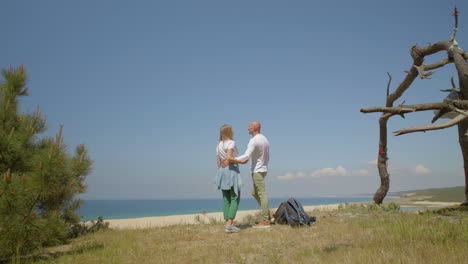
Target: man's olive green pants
259, 193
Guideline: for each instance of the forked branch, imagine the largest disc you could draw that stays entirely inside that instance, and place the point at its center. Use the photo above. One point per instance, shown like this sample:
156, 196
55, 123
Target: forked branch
463, 116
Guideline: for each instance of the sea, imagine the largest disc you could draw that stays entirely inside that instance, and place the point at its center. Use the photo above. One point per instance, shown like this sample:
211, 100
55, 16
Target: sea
122, 209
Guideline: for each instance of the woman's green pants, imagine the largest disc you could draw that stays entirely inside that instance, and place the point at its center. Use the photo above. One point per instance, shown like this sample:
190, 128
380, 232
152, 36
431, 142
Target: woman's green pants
230, 203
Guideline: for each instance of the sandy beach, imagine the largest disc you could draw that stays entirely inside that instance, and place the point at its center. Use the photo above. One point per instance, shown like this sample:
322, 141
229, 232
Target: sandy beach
159, 221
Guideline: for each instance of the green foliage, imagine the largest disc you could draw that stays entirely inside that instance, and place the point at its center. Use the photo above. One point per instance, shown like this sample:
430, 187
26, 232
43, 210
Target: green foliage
447, 211
39, 180
391, 206
85, 228
386, 207
451, 194
369, 207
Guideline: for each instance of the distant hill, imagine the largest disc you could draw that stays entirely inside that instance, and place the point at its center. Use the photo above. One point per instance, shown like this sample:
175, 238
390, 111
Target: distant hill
450, 194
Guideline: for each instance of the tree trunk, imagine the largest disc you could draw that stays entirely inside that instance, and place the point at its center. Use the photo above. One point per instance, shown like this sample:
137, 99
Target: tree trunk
462, 69
463, 139
382, 161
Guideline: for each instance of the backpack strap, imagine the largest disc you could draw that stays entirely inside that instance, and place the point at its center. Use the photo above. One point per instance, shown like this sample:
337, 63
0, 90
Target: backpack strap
303, 219
304, 214
297, 211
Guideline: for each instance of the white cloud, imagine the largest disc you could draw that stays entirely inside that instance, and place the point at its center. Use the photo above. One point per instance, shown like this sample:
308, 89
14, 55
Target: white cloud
372, 162
324, 172
289, 176
360, 172
339, 171
420, 170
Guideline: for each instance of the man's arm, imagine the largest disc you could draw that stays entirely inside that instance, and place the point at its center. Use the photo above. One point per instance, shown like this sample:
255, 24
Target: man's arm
246, 156
226, 162
231, 159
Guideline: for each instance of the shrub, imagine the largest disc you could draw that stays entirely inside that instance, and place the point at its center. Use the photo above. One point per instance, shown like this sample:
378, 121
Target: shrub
79, 229
391, 206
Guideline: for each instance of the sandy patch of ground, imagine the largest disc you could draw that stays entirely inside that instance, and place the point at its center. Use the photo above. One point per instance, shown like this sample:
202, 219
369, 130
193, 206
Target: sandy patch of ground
431, 203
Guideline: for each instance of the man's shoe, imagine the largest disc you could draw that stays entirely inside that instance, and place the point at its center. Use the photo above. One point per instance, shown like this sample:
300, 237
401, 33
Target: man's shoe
262, 225
231, 229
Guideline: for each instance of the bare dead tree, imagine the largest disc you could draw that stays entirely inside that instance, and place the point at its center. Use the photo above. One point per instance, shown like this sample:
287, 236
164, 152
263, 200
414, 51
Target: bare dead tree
458, 105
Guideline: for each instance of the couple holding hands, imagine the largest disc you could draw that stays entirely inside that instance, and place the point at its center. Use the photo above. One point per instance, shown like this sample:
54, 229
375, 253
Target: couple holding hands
228, 176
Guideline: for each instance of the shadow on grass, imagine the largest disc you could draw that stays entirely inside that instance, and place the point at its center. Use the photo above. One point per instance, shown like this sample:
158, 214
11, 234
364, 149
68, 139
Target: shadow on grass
244, 226
58, 251
333, 248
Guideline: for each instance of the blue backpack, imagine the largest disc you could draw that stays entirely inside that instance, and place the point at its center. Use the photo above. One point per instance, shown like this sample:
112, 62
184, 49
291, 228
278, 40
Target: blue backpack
292, 213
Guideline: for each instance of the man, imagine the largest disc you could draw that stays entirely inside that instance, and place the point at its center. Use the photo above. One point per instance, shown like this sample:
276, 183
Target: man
258, 151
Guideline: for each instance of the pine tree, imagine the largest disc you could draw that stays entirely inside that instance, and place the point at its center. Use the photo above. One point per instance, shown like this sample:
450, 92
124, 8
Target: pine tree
39, 179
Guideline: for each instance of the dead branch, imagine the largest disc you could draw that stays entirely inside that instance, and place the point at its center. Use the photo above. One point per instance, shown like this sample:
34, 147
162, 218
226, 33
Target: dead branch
453, 108
418, 54
455, 28
426, 75
438, 64
443, 125
389, 82
454, 93
461, 104
421, 72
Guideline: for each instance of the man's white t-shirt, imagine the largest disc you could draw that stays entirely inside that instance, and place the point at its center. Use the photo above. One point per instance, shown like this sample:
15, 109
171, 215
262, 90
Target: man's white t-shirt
224, 146
258, 150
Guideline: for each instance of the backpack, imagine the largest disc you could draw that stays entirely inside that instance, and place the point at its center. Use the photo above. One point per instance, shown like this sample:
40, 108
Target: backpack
292, 213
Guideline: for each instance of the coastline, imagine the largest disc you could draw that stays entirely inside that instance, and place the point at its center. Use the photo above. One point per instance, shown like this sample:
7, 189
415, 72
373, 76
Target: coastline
161, 221
126, 209
192, 219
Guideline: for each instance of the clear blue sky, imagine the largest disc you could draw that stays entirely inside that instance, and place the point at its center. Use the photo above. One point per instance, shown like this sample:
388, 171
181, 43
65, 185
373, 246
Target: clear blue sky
147, 84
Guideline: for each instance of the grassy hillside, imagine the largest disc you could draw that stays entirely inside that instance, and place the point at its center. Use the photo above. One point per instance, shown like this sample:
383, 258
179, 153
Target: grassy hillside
451, 194
351, 234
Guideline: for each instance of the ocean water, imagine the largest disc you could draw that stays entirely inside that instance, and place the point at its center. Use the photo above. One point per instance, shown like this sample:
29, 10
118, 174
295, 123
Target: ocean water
120, 209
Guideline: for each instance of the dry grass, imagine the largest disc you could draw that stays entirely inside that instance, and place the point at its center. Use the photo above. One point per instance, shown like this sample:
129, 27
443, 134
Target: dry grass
347, 235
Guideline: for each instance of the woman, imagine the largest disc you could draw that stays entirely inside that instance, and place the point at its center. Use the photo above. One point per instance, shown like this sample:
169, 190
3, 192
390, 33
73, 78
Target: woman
228, 178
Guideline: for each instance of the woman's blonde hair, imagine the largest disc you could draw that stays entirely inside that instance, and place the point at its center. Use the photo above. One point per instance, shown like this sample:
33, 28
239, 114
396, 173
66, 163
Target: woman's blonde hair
225, 132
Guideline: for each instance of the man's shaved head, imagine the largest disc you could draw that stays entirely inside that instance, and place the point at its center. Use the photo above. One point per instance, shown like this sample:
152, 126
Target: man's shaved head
254, 128
256, 124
